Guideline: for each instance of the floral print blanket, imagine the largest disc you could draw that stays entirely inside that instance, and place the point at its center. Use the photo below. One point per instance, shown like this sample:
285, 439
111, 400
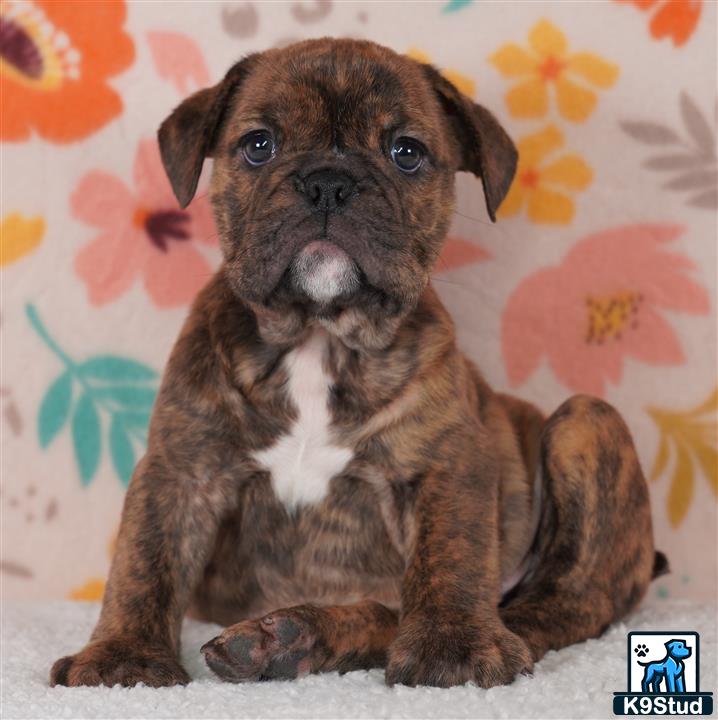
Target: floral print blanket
599, 276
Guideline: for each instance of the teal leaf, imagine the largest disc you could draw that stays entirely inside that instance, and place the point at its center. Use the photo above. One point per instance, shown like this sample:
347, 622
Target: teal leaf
138, 434
454, 5
86, 438
130, 397
121, 450
111, 368
54, 409
134, 419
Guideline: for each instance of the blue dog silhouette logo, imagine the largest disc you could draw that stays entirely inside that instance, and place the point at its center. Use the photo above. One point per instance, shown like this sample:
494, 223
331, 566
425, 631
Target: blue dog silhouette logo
663, 676
667, 672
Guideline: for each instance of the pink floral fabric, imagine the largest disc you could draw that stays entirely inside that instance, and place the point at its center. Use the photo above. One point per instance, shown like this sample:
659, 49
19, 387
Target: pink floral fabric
599, 276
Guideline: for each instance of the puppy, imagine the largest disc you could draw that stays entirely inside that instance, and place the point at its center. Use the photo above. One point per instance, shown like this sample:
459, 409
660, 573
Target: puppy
326, 473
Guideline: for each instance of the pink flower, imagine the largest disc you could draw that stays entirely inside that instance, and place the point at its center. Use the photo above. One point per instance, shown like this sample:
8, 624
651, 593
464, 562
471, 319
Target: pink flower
178, 60
458, 252
142, 234
600, 304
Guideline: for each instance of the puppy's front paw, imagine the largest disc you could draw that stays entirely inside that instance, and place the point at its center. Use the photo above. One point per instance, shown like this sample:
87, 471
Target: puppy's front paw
118, 663
426, 654
280, 646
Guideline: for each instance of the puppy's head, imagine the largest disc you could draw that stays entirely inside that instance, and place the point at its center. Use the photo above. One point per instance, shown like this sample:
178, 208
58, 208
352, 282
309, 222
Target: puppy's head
677, 649
333, 179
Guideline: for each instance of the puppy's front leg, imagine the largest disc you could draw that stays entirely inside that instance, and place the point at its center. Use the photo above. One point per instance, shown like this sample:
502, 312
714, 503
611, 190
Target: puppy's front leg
450, 631
168, 523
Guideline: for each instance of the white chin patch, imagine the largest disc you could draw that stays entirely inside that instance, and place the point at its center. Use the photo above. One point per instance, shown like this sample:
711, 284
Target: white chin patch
324, 271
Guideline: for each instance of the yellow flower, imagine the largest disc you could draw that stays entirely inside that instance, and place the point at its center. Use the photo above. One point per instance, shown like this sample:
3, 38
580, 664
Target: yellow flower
91, 591
690, 436
461, 82
18, 236
548, 62
538, 186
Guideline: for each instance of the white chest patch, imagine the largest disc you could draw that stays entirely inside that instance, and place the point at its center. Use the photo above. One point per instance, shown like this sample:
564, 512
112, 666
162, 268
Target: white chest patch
304, 461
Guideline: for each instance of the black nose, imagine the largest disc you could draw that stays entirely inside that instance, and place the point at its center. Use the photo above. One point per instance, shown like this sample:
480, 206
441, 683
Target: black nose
328, 190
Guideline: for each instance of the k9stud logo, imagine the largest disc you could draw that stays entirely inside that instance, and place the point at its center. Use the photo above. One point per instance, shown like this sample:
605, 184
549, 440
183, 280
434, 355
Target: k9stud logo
663, 676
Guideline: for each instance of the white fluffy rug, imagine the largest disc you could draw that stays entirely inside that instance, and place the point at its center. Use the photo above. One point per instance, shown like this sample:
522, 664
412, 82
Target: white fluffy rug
577, 682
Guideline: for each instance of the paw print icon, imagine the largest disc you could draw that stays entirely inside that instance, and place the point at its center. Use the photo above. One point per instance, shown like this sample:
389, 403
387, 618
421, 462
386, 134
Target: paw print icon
641, 650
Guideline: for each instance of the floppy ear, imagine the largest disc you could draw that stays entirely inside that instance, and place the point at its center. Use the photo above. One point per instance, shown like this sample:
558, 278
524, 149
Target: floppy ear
487, 151
190, 133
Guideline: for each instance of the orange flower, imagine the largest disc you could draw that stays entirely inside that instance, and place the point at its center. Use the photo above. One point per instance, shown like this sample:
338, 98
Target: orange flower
546, 63
539, 186
56, 58
91, 591
676, 19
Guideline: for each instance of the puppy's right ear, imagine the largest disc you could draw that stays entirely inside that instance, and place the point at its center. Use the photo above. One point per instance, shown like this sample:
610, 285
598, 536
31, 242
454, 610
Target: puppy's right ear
190, 133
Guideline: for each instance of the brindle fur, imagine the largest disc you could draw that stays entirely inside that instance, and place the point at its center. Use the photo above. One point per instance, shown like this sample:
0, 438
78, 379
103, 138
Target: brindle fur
400, 565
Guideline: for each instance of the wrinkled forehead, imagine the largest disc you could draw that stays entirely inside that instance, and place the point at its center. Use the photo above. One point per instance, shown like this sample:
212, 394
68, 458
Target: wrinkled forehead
336, 97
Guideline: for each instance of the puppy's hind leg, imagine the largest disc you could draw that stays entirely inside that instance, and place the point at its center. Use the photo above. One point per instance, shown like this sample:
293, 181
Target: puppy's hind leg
594, 555
304, 639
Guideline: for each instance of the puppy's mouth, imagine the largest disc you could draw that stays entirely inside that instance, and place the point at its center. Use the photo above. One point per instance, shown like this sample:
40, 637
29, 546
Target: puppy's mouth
324, 272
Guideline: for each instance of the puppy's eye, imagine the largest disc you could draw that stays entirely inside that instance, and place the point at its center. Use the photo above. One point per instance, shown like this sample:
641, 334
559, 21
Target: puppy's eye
407, 154
258, 147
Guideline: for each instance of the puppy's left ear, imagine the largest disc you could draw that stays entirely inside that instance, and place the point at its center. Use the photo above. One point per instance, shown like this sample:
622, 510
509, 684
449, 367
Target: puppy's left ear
486, 150
190, 133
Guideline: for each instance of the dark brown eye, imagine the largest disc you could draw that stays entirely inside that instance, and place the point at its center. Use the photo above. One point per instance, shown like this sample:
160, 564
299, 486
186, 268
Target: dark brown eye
258, 147
407, 154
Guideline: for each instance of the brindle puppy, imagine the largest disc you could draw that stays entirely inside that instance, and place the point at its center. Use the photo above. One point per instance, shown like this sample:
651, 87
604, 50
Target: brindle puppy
320, 444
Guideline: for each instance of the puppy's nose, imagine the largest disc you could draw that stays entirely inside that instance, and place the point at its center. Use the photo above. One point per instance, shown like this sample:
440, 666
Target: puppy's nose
328, 190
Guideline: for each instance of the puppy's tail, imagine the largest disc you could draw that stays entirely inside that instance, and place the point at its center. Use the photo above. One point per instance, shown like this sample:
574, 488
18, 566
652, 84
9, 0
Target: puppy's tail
660, 565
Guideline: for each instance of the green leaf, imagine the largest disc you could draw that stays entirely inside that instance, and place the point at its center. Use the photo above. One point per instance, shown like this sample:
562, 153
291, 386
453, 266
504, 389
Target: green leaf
54, 409
86, 438
130, 397
111, 368
121, 450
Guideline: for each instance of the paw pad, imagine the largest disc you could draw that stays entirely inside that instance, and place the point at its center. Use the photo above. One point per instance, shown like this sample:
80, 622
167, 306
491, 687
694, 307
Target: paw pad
641, 650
